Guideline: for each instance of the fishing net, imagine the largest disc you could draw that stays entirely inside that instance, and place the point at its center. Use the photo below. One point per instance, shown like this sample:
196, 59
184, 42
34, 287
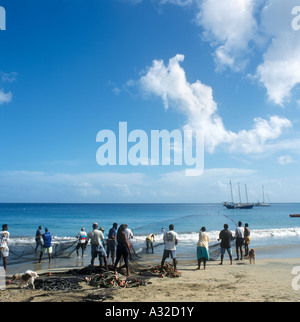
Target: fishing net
186, 251
57, 284
23, 250
187, 228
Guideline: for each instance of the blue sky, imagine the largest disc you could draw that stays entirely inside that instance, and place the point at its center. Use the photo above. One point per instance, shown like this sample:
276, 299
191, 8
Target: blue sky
69, 69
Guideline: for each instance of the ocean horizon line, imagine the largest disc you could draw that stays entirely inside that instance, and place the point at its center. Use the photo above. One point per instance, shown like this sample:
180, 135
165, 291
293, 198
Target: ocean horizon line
132, 203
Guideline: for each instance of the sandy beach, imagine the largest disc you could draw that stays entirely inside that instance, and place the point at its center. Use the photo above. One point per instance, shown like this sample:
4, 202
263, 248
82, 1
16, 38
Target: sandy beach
269, 280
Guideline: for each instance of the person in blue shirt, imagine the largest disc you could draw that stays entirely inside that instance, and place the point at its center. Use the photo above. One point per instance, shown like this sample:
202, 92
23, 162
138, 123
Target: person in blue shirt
112, 242
47, 246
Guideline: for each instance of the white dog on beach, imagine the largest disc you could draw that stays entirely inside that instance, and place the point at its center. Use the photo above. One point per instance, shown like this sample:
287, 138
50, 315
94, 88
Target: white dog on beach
28, 278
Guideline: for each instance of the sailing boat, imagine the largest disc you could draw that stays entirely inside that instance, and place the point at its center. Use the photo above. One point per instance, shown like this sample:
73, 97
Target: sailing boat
229, 205
262, 204
241, 205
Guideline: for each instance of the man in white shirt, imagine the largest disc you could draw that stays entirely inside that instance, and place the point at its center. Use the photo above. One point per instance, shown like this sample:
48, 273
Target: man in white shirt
128, 233
4, 251
170, 240
239, 234
95, 236
129, 236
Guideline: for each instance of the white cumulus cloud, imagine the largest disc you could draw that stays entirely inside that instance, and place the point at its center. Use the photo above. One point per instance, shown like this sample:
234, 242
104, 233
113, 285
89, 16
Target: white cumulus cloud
279, 71
260, 31
229, 26
195, 101
238, 28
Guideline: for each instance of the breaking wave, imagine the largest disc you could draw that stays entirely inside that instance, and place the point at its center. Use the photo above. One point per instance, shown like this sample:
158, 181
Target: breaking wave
256, 234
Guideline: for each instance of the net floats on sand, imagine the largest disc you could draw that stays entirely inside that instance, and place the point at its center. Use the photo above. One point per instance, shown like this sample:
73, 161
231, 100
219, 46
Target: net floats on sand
112, 280
168, 271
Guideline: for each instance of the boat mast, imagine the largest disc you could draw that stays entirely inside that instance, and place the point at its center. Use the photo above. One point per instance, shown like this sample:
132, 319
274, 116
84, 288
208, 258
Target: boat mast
263, 193
239, 192
246, 193
231, 191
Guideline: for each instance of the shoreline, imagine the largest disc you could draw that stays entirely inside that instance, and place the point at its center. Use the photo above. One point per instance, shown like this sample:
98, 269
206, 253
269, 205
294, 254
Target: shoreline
74, 262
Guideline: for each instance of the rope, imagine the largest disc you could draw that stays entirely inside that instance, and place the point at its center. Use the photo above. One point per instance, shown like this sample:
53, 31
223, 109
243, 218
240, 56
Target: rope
230, 219
165, 222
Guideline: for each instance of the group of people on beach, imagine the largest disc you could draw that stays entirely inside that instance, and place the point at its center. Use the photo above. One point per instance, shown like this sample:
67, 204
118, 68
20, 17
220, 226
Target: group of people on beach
118, 244
242, 238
